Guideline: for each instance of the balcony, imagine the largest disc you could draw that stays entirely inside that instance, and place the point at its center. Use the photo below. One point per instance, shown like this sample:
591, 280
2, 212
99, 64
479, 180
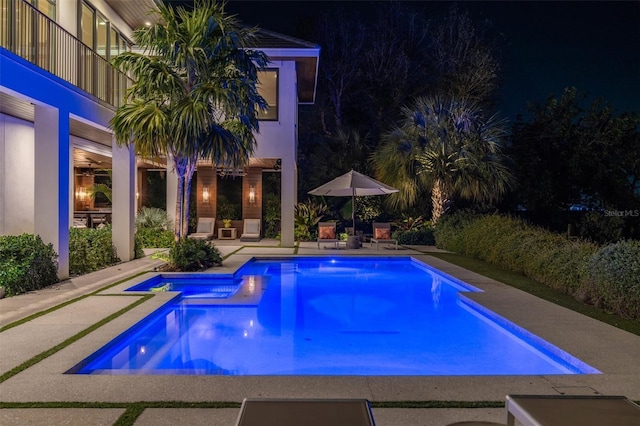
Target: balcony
33, 36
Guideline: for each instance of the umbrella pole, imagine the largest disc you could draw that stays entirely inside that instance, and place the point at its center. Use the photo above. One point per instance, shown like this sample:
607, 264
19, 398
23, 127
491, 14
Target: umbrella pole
353, 212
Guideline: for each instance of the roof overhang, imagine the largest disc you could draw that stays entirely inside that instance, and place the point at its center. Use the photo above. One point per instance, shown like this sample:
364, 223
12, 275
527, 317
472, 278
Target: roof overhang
135, 13
306, 60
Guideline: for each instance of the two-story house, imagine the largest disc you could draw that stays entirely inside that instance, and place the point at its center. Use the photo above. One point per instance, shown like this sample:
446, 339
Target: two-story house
58, 92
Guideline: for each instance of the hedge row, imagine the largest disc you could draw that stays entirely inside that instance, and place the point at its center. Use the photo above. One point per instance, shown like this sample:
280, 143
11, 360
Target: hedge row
26, 263
90, 249
608, 277
423, 236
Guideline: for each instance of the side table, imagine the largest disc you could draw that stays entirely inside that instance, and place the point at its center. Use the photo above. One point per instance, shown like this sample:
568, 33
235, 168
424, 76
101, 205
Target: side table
227, 233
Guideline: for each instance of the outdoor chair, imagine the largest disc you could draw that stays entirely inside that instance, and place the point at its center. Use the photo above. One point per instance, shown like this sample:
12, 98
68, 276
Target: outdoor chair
382, 235
251, 230
289, 412
79, 221
327, 233
205, 229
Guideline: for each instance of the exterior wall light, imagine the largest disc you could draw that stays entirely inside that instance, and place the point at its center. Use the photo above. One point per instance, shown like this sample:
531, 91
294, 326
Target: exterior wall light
205, 194
81, 194
252, 195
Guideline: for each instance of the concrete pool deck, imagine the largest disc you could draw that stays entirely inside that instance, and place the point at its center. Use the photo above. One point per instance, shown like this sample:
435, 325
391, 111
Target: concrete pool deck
612, 351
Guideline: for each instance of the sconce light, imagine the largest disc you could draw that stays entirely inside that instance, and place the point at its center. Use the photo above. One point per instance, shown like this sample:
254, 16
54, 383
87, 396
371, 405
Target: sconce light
81, 193
137, 195
205, 194
252, 195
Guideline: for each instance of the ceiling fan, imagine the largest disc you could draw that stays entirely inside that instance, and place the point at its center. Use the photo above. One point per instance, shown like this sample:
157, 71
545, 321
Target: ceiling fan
83, 171
93, 161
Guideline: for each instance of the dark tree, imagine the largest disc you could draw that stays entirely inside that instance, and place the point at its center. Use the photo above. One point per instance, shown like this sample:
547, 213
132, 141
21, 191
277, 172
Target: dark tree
568, 157
371, 66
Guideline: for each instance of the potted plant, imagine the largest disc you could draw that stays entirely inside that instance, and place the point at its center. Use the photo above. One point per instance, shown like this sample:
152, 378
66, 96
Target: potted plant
227, 223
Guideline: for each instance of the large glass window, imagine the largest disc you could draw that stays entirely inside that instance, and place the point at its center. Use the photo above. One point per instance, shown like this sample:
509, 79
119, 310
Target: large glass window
48, 7
86, 24
114, 40
268, 89
101, 36
98, 33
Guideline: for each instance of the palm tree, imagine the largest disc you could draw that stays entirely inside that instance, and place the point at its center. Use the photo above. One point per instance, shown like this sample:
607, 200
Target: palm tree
194, 94
447, 147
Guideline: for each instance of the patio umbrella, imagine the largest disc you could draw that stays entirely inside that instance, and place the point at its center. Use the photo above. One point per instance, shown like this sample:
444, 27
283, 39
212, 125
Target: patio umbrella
353, 183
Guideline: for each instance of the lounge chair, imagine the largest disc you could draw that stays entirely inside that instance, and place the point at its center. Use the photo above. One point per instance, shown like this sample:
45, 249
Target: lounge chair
571, 410
382, 235
327, 233
251, 230
205, 229
289, 412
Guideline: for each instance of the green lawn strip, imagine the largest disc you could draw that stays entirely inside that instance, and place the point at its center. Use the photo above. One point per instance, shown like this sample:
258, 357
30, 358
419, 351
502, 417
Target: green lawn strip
130, 415
521, 282
63, 304
232, 253
36, 359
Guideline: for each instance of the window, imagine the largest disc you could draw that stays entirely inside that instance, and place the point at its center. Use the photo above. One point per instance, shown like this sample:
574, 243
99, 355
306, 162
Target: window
101, 36
48, 7
86, 25
98, 33
268, 89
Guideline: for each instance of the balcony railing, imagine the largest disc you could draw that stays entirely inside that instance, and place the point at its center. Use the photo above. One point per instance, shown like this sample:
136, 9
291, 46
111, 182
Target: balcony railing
30, 34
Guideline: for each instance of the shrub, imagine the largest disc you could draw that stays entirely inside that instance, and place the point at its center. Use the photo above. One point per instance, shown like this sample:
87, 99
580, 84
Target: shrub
423, 236
153, 218
26, 263
307, 216
138, 253
271, 206
90, 249
544, 256
155, 238
193, 255
614, 280
449, 230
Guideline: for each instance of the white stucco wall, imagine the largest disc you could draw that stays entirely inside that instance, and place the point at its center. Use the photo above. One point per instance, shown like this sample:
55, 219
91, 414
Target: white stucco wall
278, 139
16, 176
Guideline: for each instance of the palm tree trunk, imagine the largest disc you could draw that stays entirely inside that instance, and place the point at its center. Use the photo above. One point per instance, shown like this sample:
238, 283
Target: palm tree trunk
180, 165
439, 200
191, 167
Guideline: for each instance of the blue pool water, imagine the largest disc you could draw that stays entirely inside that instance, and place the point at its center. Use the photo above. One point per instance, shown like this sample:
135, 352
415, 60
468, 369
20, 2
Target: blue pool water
322, 316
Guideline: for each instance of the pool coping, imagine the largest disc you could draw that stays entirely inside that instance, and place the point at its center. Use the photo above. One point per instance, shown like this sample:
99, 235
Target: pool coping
604, 347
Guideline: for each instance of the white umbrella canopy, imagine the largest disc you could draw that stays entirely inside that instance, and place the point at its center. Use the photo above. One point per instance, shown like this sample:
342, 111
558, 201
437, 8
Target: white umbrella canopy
353, 184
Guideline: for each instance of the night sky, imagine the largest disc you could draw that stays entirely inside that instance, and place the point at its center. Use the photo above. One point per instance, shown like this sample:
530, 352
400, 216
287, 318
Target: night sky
547, 45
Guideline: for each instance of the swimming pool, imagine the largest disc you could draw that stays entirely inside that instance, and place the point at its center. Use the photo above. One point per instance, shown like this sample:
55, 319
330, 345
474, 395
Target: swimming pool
323, 316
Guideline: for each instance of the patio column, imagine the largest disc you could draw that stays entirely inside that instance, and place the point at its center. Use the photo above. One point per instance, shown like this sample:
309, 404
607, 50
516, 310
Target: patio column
124, 200
288, 190
52, 182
